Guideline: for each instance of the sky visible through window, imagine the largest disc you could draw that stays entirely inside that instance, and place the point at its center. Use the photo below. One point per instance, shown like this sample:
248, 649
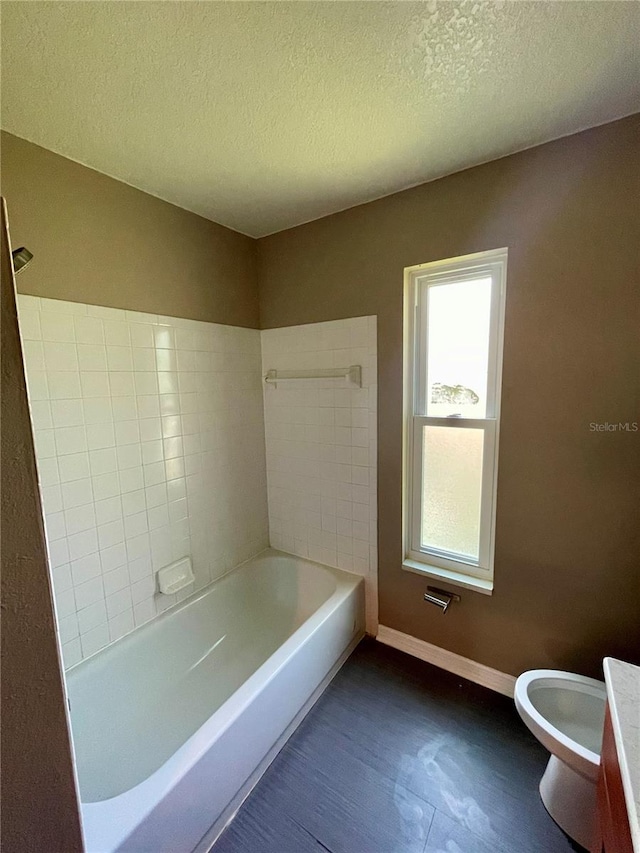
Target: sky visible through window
458, 348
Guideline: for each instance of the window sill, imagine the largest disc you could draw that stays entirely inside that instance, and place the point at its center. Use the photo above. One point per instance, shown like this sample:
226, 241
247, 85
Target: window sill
455, 578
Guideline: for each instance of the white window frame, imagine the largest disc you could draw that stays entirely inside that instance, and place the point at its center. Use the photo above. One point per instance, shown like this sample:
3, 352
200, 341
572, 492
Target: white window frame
458, 569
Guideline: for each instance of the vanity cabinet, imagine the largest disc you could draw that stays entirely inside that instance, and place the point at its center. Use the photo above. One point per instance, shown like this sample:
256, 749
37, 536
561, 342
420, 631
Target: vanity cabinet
613, 834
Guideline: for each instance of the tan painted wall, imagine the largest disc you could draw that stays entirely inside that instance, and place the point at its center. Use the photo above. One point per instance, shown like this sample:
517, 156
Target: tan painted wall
39, 803
567, 588
100, 241
567, 536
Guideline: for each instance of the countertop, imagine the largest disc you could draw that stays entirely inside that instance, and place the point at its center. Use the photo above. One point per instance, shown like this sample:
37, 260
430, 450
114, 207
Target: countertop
623, 692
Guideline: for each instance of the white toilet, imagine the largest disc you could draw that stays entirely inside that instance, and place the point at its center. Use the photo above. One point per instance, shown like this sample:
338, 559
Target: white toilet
566, 713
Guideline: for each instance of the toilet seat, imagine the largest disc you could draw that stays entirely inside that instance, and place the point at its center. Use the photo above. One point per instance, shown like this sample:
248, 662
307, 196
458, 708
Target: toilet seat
565, 712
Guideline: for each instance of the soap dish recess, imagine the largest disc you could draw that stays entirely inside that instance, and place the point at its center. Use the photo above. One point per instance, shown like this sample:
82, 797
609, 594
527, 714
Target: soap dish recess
175, 577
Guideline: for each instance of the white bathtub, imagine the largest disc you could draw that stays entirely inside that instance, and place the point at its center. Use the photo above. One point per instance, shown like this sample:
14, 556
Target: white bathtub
173, 724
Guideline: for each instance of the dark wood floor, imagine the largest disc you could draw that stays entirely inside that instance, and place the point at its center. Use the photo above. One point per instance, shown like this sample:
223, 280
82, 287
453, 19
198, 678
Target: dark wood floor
401, 757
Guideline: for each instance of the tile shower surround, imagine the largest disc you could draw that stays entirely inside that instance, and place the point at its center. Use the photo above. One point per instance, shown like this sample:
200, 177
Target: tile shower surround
321, 448
150, 443
149, 438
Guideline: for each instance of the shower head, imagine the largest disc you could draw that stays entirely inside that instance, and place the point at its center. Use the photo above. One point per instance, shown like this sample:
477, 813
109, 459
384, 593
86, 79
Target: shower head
21, 258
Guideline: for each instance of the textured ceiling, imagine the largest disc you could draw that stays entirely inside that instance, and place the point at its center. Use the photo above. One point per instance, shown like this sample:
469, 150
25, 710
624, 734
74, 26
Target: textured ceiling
263, 115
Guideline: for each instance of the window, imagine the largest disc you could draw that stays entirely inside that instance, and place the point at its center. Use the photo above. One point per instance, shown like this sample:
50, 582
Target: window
454, 319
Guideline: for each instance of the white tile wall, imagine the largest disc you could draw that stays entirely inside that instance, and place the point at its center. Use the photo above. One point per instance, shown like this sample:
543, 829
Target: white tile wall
321, 448
150, 445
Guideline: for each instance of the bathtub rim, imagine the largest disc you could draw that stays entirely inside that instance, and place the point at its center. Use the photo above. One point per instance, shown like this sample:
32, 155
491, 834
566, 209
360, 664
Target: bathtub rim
124, 812
195, 596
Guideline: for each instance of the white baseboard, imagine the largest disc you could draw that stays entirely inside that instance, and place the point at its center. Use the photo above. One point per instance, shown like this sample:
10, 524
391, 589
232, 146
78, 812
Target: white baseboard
466, 668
